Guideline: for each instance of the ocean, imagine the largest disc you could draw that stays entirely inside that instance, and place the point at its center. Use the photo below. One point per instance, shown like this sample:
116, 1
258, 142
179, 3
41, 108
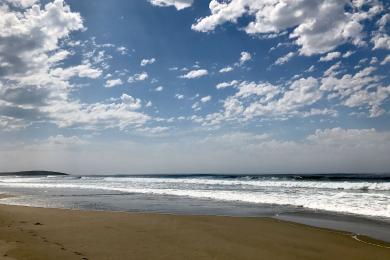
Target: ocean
365, 196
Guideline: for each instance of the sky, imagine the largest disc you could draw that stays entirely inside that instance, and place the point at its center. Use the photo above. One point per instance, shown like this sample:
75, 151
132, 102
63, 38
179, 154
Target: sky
195, 86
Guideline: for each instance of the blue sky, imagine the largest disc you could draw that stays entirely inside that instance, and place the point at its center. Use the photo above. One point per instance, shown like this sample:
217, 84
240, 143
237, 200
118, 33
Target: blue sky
173, 86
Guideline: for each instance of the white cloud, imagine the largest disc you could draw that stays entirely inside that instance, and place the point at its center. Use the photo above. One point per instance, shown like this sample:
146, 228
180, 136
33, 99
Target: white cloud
8, 123
381, 39
245, 56
38, 86
227, 84
374, 60
226, 69
205, 99
159, 88
193, 74
285, 58
145, 62
82, 71
386, 60
133, 103
179, 96
178, 4
311, 28
373, 98
330, 56
122, 50
311, 68
320, 112
153, 130
21, 3
360, 89
348, 54
97, 116
265, 100
113, 82
333, 70
302, 92
138, 77
25, 44
196, 106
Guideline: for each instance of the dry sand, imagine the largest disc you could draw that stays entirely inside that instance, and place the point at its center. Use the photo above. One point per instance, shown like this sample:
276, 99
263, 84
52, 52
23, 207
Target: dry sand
36, 233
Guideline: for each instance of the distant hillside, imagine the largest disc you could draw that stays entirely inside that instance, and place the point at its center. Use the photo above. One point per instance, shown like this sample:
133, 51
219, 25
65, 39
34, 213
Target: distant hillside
32, 173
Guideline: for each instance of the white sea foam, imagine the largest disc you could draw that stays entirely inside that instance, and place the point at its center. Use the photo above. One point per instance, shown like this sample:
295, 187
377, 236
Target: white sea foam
346, 185
354, 197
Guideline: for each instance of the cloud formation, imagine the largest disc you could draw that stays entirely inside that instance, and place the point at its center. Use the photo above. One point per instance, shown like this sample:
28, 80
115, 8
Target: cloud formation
138, 77
178, 4
193, 74
34, 84
145, 62
317, 26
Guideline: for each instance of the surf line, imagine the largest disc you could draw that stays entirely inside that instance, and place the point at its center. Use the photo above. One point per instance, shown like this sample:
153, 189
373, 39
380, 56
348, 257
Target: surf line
369, 243
343, 233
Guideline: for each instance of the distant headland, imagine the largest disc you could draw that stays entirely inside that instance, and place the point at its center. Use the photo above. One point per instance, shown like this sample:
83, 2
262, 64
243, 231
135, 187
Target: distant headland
32, 173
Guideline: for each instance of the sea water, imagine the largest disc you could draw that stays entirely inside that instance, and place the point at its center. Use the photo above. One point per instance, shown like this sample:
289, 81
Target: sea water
353, 194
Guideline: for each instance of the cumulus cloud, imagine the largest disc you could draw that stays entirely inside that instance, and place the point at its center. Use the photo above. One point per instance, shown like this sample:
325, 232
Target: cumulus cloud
179, 96
227, 84
348, 54
226, 69
205, 99
312, 28
8, 123
356, 90
245, 56
178, 4
35, 86
299, 97
95, 116
285, 58
145, 62
330, 56
122, 50
193, 74
113, 82
264, 99
138, 77
21, 3
381, 39
386, 60
82, 71
159, 88
24, 45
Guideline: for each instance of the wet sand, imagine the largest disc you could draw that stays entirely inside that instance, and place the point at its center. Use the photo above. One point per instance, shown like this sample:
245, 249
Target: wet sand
37, 233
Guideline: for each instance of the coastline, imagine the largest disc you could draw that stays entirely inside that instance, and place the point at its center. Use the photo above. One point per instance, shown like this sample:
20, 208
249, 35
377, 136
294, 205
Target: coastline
42, 233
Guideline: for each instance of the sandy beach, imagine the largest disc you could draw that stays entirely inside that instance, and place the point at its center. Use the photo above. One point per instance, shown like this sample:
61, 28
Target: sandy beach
39, 233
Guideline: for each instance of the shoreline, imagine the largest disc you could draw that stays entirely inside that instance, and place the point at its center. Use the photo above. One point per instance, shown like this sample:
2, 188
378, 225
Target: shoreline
370, 227
46, 233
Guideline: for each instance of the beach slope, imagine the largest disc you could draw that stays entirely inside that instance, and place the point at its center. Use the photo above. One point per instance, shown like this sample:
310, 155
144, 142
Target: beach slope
36, 233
